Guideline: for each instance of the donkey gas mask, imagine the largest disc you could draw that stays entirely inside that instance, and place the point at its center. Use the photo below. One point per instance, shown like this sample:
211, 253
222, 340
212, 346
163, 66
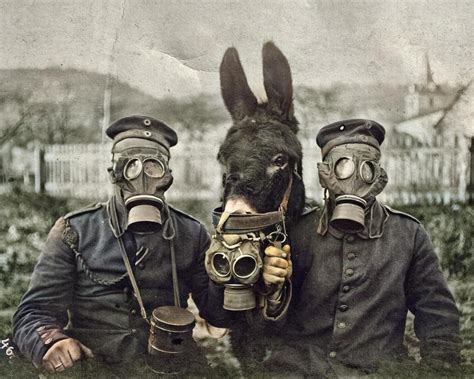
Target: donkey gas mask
352, 175
235, 257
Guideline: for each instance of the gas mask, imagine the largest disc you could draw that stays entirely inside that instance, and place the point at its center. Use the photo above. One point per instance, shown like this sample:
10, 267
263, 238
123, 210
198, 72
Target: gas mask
142, 174
353, 176
235, 257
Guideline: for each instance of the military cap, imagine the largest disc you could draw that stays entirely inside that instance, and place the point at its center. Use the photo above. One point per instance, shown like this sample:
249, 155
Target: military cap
350, 131
142, 127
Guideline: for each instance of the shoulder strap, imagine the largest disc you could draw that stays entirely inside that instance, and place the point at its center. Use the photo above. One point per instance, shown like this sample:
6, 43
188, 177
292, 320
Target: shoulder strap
169, 233
119, 234
400, 213
86, 209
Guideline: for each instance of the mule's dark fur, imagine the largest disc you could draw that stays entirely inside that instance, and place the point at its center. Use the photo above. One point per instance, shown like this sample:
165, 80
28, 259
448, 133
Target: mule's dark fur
261, 150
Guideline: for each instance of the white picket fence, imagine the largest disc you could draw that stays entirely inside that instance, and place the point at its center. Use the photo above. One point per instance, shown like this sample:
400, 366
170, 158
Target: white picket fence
81, 171
434, 174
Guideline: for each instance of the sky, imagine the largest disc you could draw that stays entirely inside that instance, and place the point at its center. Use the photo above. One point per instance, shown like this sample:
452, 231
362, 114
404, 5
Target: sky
175, 47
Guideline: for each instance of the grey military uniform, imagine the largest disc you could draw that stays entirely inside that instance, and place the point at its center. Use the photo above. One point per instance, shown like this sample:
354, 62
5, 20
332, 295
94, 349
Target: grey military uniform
352, 294
77, 288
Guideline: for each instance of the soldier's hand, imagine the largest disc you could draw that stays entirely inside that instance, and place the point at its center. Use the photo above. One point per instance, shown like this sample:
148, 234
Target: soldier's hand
63, 354
277, 266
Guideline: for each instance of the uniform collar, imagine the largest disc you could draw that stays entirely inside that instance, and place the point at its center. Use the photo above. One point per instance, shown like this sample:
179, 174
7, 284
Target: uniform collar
375, 220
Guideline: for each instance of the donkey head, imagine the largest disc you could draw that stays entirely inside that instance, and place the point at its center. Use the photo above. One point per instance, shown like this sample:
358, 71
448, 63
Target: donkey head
261, 153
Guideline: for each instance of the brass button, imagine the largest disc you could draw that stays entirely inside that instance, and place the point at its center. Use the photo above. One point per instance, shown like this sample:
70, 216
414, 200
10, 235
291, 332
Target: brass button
350, 238
343, 307
133, 312
349, 272
341, 325
351, 256
141, 265
134, 331
332, 354
346, 289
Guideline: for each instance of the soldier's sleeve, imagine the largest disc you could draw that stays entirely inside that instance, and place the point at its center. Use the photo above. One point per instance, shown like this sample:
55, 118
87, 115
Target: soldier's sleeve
430, 300
42, 314
276, 309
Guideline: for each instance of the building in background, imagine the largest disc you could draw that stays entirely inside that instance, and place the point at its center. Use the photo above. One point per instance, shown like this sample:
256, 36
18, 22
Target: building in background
428, 157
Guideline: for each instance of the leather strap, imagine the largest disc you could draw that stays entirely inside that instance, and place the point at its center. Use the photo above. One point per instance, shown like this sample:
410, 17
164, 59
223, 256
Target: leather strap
169, 232
119, 235
286, 196
243, 223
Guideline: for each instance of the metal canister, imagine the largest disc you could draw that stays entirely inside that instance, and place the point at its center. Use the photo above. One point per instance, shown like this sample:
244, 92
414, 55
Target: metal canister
171, 330
239, 297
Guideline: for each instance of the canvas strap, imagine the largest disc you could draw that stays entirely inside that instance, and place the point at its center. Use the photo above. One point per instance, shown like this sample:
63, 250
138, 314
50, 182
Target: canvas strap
169, 233
117, 229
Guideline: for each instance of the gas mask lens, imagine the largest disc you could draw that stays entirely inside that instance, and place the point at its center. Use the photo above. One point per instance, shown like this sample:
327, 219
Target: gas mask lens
344, 168
221, 264
132, 169
367, 171
153, 168
240, 262
245, 266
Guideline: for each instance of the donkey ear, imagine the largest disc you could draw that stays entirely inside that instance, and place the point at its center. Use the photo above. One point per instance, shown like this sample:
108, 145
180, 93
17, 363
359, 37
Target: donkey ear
277, 81
238, 98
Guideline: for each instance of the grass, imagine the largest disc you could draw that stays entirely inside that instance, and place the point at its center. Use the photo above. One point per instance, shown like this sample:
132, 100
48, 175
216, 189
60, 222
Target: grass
26, 218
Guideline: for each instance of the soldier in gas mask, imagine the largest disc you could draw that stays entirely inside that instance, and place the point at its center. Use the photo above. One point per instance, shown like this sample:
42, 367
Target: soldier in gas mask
113, 279
359, 266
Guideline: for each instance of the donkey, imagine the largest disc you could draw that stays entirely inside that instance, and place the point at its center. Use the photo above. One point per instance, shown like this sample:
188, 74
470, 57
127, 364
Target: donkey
261, 154
262, 160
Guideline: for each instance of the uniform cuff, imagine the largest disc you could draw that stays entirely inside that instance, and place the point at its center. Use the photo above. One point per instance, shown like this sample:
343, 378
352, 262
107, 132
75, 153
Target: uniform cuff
275, 310
49, 335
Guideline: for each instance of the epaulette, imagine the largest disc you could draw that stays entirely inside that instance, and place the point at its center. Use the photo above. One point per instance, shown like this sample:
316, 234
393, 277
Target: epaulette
86, 209
179, 211
394, 211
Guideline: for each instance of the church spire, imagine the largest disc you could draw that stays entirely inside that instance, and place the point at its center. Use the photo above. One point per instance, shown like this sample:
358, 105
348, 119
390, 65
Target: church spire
430, 83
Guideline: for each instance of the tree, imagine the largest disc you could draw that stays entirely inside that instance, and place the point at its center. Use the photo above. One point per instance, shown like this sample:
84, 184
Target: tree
48, 122
16, 110
192, 116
